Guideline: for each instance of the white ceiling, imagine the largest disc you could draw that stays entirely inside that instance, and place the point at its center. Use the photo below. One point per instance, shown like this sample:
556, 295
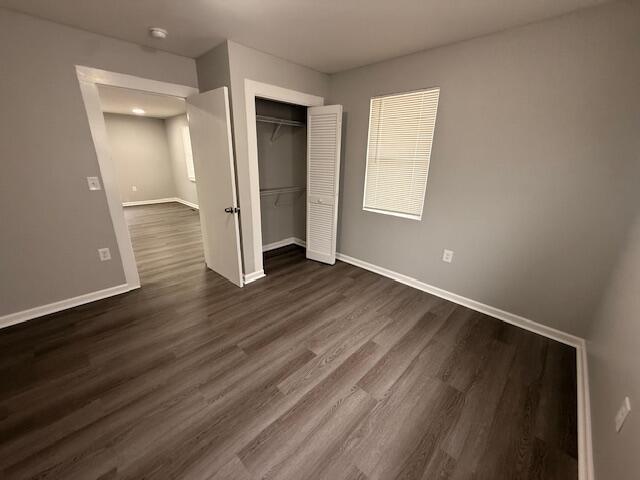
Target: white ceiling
327, 35
123, 100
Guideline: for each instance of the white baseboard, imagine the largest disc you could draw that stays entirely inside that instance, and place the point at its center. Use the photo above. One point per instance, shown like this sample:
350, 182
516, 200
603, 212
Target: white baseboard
159, 200
503, 315
253, 276
585, 452
185, 202
283, 243
585, 439
148, 202
24, 315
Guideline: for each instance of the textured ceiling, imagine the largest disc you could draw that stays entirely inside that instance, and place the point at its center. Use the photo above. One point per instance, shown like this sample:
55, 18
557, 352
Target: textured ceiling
327, 35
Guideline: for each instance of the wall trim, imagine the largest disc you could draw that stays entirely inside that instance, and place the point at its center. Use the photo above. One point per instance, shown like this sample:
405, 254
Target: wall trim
187, 203
159, 200
253, 276
299, 242
503, 315
125, 80
586, 470
24, 315
283, 243
585, 449
148, 202
88, 80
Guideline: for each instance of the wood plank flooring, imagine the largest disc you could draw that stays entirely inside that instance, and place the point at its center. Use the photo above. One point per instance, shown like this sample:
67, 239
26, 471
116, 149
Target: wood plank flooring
315, 372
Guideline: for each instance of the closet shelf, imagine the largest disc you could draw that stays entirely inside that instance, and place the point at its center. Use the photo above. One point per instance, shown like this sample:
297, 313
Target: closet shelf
281, 190
279, 121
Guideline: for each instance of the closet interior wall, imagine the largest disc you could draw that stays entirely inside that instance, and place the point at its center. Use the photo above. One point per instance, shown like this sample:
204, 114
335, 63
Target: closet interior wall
282, 163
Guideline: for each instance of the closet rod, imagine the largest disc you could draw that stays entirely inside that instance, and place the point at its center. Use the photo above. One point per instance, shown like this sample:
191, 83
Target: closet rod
279, 121
278, 191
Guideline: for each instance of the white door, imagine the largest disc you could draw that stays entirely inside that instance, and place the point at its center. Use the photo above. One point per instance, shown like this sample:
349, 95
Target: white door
210, 131
324, 130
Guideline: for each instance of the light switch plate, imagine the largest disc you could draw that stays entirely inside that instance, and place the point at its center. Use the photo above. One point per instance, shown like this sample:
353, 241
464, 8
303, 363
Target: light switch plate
621, 416
104, 254
94, 183
447, 256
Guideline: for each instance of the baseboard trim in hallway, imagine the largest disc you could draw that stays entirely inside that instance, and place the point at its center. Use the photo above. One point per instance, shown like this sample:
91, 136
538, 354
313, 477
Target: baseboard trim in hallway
24, 315
160, 200
188, 204
585, 453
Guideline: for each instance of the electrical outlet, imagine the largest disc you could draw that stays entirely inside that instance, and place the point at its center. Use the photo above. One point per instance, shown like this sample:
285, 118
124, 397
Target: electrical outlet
94, 183
134, 188
104, 254
447, 256
621, 416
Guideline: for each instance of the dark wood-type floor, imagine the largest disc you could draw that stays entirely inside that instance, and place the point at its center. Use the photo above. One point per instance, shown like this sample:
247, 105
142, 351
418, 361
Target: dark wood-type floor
315, 372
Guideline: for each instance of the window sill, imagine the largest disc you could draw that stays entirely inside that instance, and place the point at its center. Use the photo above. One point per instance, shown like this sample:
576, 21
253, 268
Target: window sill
394, 214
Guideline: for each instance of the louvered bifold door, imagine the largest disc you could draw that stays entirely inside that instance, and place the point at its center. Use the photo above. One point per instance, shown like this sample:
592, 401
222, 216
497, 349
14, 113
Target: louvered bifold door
324, 126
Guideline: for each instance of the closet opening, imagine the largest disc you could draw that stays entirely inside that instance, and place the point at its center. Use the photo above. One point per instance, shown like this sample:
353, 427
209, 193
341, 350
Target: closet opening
281, 130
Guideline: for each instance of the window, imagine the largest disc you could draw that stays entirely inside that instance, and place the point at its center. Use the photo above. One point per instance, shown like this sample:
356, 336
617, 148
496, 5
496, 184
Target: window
188, 155
398, 152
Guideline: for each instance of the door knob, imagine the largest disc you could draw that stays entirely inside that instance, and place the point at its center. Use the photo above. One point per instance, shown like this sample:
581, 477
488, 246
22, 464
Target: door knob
232, 209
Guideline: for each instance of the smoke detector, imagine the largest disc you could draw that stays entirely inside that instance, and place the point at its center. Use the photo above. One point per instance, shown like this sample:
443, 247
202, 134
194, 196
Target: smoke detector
157, 32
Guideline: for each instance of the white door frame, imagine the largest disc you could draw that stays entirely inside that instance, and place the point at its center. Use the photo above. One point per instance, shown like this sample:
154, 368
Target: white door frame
253, 90
89, 78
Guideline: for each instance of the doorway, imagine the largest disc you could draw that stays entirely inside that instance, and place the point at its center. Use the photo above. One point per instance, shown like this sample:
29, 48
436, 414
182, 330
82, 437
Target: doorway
150, 146
210, 138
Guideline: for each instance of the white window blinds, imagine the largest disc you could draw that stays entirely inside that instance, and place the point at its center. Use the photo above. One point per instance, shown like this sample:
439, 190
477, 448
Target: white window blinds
398, 152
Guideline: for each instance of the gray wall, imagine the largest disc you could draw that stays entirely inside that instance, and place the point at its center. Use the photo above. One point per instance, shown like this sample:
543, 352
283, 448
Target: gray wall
613, 367
184, 188
213, 68
534, 163
245, 62
282, 163
140, 152
52, 225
